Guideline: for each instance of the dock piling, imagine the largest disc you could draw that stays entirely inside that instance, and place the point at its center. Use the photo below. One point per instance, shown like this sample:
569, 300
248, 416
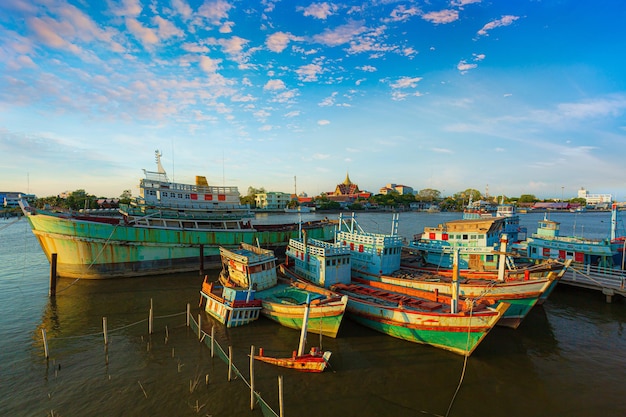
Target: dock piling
53, 275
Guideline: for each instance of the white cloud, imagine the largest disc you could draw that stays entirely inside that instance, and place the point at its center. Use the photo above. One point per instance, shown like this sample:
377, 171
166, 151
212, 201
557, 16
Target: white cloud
274, 85
340, 35
319, 10
463, 66
309, 72
504, 21
277, 42
323, 122
406, 82
443, 16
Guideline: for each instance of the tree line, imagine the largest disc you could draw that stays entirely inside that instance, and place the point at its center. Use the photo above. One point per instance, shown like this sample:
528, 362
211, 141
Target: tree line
80, 199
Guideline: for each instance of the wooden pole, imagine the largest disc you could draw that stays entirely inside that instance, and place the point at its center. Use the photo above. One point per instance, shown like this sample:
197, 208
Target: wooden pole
230, 362
252, 377
199, 326
45, 343
104, 331
201, 260
280, 396
53, 275
150, 317
188, 313
212, 341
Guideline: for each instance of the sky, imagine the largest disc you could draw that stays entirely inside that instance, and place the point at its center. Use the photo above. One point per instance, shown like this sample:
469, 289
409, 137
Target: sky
506, 97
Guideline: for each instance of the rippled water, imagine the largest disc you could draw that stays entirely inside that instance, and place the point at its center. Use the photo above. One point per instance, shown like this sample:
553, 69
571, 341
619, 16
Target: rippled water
568, 358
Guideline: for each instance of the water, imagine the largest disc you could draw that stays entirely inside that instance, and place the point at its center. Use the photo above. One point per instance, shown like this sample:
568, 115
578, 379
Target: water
568, 358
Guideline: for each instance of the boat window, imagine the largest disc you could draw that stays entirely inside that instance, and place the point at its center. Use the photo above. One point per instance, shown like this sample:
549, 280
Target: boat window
464, 237
327, 262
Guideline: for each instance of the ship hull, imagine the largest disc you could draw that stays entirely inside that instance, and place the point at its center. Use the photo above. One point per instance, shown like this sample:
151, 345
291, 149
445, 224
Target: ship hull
97, 250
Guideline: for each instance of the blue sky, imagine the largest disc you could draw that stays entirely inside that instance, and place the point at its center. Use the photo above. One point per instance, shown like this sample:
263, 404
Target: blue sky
517, 97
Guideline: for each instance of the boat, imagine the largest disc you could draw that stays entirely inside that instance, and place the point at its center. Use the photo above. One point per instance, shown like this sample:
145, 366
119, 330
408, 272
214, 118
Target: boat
450, 323
477, 236
282, 300
321, 263
377, 258
595, 263
313, 361
230, 306
171, 227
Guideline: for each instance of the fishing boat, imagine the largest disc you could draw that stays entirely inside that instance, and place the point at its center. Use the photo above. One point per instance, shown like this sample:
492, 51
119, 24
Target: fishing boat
230, 306
421, 316
595, 263
282, 300
320, 263
171, 227
377, 258
477, 236
313, 361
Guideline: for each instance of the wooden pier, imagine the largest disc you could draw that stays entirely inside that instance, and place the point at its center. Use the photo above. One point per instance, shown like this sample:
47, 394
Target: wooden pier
610, 281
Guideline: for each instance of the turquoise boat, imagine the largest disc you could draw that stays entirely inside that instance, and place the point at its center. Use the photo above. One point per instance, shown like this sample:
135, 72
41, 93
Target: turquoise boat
171, 227
283, 301
377, 258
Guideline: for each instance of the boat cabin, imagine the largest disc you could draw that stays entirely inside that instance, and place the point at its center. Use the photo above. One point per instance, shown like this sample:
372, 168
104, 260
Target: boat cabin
322, 263
249, 267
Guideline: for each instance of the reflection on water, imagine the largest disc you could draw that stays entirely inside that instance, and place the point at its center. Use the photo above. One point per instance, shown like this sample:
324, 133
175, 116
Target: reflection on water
567, 358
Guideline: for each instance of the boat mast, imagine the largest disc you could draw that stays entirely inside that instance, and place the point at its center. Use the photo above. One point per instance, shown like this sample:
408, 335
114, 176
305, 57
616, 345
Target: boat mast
613, 221
305, 320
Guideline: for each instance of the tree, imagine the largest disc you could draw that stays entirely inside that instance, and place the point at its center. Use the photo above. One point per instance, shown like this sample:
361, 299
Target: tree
125, 197
527, 198
428, 195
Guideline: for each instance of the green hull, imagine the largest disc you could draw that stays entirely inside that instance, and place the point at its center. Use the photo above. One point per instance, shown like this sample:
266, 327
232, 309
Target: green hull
457, 342
94, 250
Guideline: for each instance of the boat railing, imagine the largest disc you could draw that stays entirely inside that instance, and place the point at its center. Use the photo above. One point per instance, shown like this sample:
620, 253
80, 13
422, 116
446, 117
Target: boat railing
570, 239
319, 248
370, 239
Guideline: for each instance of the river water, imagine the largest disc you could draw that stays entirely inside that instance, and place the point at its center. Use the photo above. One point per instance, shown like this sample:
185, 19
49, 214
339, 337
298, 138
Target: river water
568, 358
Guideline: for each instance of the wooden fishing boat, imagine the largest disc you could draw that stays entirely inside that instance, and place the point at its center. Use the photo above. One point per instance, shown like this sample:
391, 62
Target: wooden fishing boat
230, 306
378, 258
313, 361
420, 320
170, 227
282, 300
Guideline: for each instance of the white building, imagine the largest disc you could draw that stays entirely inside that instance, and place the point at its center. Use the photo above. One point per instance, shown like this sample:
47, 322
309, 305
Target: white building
272, 200
594, 198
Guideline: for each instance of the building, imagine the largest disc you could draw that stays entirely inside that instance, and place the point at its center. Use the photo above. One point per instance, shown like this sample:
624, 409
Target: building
347, 193
399, 188
591, 199
273, 200
10, 199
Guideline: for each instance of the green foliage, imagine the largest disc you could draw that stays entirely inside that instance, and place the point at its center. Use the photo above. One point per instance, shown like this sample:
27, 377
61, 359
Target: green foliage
125, 197
527, 198
428, 195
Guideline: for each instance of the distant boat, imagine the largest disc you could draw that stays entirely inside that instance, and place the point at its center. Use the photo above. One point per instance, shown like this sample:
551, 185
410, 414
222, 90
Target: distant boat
299, 209
596, 263
313, 361
171, 227
282, 301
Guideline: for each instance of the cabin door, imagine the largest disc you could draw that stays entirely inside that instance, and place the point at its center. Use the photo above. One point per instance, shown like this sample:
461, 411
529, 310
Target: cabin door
476, 263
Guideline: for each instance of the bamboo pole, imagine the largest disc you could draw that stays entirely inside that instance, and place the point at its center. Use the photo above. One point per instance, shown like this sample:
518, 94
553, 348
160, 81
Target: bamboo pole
150, 318
188, 313
45, 343
230, 362
104, 331
252, 377
212, 341
280, 396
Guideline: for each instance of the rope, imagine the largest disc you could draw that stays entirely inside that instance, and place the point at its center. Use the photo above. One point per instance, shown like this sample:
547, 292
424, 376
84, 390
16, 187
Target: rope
458, 388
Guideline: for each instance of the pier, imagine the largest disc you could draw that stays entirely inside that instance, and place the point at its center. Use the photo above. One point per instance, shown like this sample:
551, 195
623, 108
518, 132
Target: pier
610, 281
